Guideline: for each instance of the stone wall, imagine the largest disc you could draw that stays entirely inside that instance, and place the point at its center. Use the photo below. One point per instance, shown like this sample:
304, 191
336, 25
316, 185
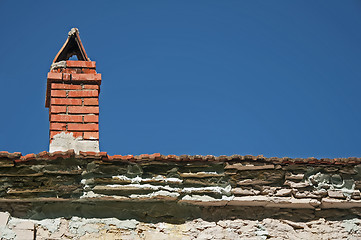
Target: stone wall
239, 196
113, 228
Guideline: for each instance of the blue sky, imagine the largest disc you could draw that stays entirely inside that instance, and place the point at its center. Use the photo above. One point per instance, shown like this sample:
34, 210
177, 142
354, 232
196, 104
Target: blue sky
278, 78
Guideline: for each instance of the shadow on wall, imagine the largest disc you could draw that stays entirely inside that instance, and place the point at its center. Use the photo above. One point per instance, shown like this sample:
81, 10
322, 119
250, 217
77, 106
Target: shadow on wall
170, 212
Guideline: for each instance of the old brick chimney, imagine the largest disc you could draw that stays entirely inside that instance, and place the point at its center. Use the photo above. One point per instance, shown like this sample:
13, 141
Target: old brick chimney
72, 98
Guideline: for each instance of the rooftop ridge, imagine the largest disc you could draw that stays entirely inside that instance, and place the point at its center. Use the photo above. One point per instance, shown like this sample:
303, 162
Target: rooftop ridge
18, 158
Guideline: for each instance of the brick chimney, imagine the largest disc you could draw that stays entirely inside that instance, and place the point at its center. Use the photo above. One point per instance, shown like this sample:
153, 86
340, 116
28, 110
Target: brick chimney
72, 98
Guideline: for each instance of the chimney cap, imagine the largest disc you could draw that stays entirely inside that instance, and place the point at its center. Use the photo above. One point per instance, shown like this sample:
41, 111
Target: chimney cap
72, 46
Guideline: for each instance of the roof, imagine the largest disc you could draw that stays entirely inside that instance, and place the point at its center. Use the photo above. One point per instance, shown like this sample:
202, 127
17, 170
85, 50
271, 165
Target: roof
17, 157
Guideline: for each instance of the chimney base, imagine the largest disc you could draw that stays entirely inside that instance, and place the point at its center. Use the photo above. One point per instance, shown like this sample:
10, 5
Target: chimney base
66, 141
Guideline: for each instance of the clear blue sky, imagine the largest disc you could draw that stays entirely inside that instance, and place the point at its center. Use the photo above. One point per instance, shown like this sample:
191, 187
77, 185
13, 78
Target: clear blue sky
278, 78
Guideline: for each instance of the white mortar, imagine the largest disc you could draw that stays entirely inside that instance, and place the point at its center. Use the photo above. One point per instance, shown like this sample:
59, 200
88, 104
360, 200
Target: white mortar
66, 141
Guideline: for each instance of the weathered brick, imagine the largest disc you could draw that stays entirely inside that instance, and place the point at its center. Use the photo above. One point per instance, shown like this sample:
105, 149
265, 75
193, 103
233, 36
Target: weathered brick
88, 93
83, 127
53, 133
91, 135
81, 64
91, 86
86, 77
71, 70
55, 76
77, 134
88, 70
58, 93
65, 86
91, 118
58, 126
66, 101
58, 109
91, 101
88, 110
66, 118
66, 76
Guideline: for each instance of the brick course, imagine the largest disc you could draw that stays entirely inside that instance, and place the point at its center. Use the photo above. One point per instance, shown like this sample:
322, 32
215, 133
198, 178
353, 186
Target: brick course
73, 100
66, 101
65, 86
83, 127
83, 93
80, 110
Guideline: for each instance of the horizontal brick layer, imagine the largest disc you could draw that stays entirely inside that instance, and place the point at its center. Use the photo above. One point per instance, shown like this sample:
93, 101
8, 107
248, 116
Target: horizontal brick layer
65, 86
66, 101
86, 77
91, 101
91, 86
55, 76
83, 127
75, 76
75, 134
87, 70
86, 110
76, 70
58, 109
91, 118
58, 126
91, 135
82, 64
83, 93
66, 118
58, 93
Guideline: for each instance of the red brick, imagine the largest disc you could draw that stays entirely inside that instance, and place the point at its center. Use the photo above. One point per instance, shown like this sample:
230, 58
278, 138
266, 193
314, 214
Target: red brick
77, 134
87, 70
88, 93
72, 70
91, 86
91, 101
66, 76
89, 110
66, 101
66, 118
58, 93
58, 126
57, 109
91, 118
83, 127
55, 76
65, 86
53, 133
86, 77
84, 64
91, 135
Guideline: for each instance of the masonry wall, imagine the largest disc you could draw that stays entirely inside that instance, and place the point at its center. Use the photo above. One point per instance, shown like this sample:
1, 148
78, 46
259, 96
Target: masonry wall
73, 101
131, 229
186, 197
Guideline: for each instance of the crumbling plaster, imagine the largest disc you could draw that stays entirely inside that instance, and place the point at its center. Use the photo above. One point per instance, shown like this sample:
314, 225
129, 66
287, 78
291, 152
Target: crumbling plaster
65, 141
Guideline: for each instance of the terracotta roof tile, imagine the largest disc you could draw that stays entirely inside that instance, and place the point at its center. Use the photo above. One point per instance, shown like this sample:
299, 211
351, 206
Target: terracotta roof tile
8, 155
18, 158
